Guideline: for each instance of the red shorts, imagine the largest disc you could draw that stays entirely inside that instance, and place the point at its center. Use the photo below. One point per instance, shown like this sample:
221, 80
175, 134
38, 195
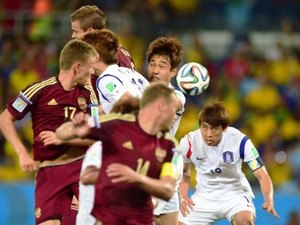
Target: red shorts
111, 217
54, 190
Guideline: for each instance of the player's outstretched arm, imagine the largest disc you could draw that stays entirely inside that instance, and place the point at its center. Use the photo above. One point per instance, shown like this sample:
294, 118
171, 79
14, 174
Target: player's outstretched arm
10, 133
162, 188
51, 138
266, 187
78, 127
65, 131
186, 204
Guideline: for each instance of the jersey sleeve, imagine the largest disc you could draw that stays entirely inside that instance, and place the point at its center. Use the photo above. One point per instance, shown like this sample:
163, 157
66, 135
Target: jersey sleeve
250, 152
185, 149
179, 113
141, 82
24, 102
93, 156
110, 89
182, 98
252, 157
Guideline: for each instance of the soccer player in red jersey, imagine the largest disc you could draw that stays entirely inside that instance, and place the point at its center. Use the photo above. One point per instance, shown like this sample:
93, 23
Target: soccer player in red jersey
113, 83
136, 158
51, 102
90, 18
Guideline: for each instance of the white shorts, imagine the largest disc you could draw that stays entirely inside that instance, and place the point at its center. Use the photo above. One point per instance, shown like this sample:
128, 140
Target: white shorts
208, 210
93, 157
172, 205
86, 204
167, 206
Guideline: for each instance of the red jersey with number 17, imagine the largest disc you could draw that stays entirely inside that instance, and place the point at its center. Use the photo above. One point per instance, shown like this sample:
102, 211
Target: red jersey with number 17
50, 106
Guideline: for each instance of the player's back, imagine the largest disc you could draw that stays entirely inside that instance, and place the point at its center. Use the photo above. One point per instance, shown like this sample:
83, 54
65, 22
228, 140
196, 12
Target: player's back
126, 143
115, 81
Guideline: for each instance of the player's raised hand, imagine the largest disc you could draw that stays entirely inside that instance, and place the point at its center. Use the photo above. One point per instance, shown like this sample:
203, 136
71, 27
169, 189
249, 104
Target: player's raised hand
81, 124
186, 205
269, 207
121, 173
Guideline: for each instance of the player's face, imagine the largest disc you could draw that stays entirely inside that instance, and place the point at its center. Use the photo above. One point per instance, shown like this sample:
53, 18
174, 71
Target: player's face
77, 31
211, 135
84, 71
159, 69
169, 113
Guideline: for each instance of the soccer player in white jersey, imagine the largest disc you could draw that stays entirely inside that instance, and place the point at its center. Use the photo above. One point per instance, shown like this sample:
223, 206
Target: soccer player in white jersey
113, 83
222, 191
164, 55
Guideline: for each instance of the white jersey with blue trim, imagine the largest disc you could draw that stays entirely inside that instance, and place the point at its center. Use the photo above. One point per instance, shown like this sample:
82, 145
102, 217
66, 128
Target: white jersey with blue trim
115, 81
179, 113
219, 168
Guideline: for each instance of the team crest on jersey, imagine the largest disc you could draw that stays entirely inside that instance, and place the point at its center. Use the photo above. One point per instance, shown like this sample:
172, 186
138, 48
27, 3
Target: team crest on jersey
160, 154
19, 104
37, 212
82, 103
227, 157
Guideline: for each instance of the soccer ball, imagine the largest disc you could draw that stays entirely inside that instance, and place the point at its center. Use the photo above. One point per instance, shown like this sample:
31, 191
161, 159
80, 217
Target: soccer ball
192, 78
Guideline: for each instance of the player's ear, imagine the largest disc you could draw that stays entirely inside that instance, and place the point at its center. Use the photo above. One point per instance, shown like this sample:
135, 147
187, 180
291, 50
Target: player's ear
76, 67
174, 72
90, 29
161, 105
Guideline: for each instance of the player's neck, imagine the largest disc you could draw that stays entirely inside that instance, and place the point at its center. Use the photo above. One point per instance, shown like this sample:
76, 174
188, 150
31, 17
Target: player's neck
66, 81
147, 122
102, 67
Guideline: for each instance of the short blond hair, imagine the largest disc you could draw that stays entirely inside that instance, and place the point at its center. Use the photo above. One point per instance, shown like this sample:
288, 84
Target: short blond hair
75, 51
156, 90
89, 16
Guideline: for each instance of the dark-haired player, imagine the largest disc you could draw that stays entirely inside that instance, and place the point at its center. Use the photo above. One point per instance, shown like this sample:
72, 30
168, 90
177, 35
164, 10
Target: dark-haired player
164, 55
222, 191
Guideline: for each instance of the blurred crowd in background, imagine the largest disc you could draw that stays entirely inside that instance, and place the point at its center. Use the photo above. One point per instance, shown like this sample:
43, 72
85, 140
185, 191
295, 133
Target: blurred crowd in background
251, 49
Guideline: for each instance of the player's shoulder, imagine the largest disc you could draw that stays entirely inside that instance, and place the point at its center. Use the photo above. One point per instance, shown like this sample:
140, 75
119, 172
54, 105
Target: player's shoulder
193, 135
191, 139
181, 96
123, 50
117, 116
36, 87
179, 93
234, 133
126, 71
125, 58
171, 138
111, 70
111, 74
